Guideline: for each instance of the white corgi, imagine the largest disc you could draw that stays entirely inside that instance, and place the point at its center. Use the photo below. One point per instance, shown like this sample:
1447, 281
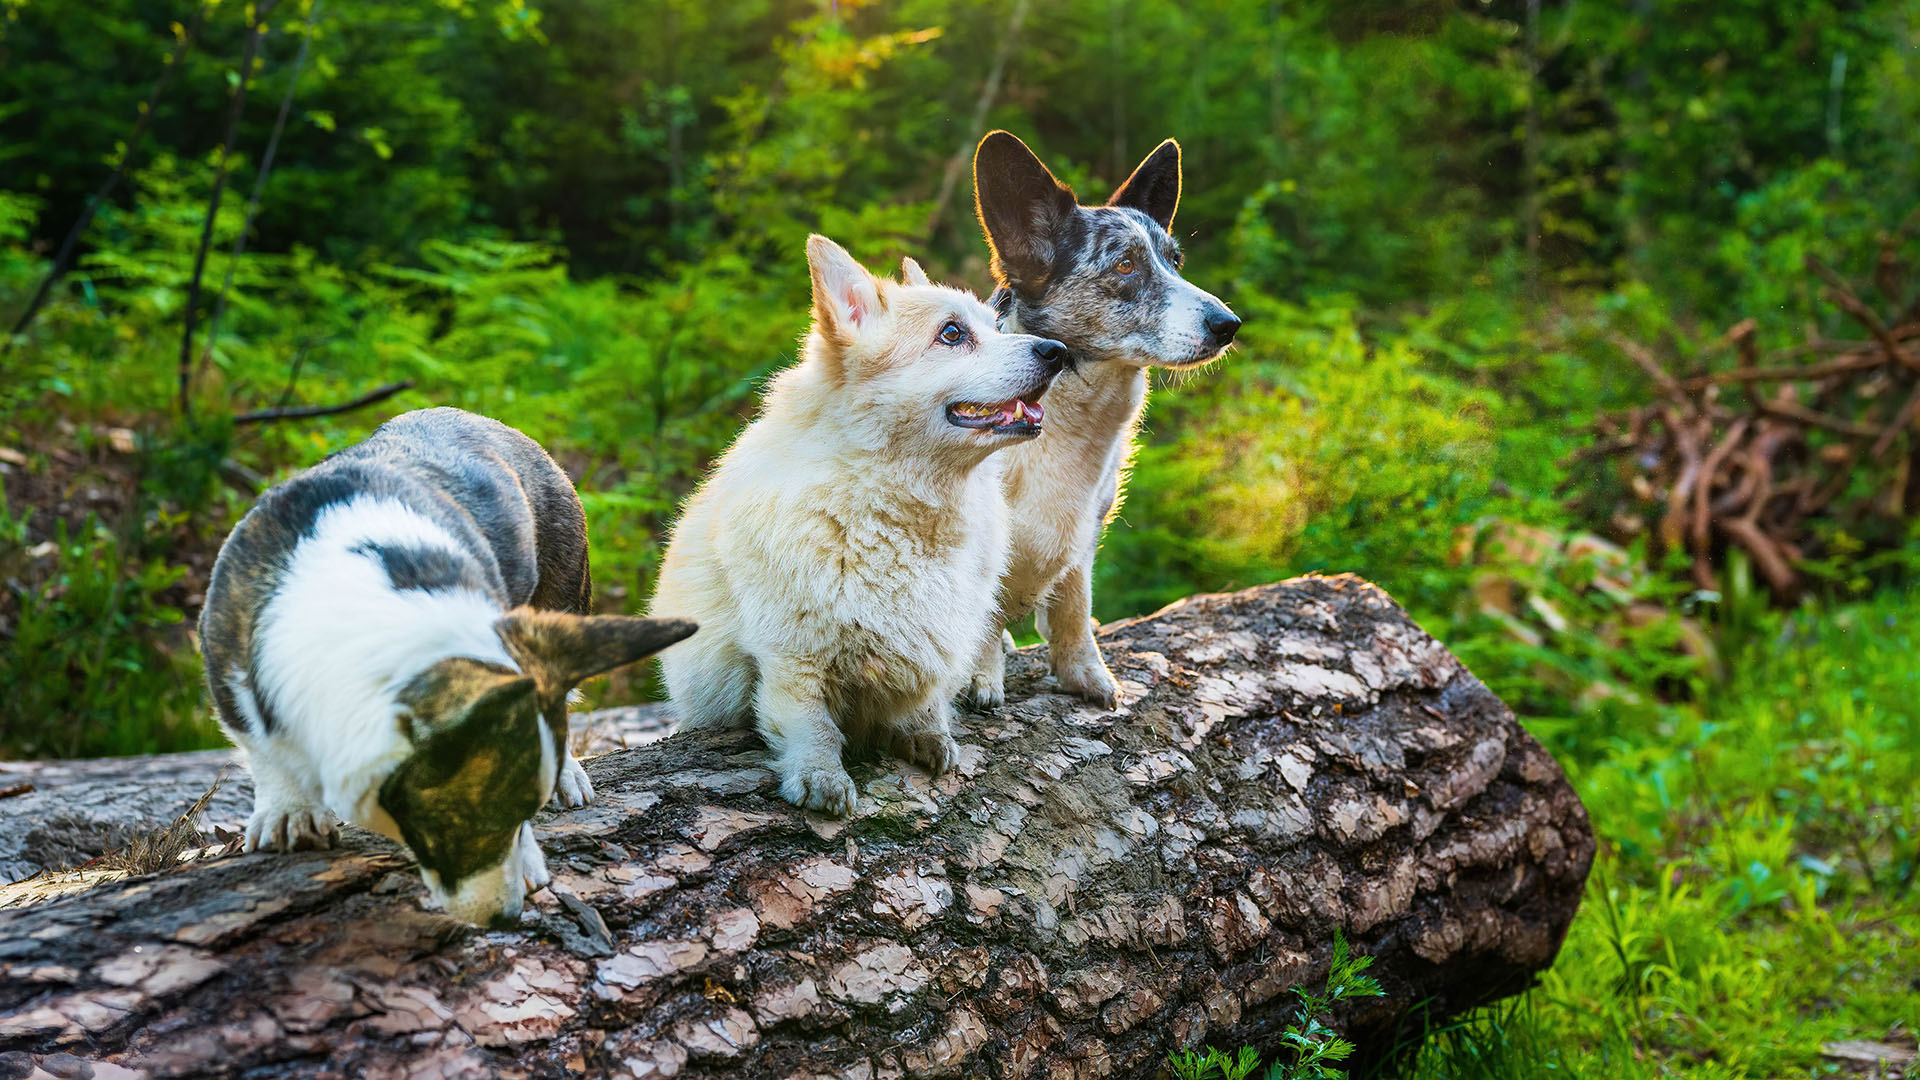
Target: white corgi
843, 560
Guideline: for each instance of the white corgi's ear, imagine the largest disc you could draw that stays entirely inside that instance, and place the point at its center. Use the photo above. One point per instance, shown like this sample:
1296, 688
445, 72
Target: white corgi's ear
560, 650
845, 297
911, 273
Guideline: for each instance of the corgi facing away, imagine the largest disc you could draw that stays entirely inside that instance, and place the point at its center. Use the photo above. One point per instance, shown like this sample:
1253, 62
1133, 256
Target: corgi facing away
1106, 281
391, 637
844, 556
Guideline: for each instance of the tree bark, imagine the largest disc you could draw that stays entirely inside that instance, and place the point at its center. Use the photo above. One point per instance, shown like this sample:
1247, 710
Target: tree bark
1087, 890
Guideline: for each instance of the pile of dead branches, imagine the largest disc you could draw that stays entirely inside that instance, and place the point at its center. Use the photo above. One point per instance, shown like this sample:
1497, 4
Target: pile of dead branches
1777, 453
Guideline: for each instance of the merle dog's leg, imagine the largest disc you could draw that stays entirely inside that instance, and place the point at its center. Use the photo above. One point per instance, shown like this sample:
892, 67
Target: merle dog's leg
1066, 621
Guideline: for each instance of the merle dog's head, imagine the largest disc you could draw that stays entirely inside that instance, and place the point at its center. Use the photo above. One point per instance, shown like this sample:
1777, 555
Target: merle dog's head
1104, 279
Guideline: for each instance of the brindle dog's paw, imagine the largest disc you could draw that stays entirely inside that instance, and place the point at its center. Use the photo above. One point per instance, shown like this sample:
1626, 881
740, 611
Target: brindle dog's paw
1088, 677
985, 693
533, 862
934, 751
574, 789
290, 828
828, 790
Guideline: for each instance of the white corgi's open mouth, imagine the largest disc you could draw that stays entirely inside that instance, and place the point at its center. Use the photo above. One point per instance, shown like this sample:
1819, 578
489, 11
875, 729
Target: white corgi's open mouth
1016, 416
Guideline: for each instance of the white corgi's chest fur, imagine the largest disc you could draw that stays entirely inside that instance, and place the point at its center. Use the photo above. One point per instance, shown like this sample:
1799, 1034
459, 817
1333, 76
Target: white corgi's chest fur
879, 574
335, 644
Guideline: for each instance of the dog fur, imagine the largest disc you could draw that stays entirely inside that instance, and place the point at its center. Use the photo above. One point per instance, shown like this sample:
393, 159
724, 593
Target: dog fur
391, 637
842, 559
1106, 281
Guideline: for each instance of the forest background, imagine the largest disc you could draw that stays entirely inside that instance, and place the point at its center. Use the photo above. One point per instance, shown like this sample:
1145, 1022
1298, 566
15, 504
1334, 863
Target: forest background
1457, 232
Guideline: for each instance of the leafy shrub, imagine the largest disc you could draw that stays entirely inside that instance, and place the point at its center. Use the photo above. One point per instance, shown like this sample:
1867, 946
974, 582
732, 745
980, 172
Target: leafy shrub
90, 664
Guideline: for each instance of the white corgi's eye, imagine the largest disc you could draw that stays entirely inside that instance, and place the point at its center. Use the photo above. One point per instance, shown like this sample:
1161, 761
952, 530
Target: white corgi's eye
1124, 266
952, 334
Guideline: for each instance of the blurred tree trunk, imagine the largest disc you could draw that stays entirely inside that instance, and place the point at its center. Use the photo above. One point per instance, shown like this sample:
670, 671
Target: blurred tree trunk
1086, 891
1531, 150
977, 127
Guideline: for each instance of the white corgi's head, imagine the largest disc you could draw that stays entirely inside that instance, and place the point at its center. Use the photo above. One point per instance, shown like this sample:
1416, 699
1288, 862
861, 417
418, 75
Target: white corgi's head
920, 366
486, 752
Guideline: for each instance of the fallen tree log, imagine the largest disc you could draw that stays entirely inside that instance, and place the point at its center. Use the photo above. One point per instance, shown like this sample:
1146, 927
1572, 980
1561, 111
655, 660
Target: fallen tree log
1087, 890
57, 815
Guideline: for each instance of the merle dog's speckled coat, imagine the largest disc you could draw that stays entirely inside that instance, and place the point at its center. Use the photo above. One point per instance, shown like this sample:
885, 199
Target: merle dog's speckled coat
391, 637
1105, 281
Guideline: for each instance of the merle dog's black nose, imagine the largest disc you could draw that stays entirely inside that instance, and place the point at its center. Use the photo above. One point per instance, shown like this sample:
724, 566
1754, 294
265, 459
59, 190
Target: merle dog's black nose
1222, 325
1054, 354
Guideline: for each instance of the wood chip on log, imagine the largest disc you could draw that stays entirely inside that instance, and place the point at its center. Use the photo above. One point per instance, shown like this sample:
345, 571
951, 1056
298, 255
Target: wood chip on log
1086, 891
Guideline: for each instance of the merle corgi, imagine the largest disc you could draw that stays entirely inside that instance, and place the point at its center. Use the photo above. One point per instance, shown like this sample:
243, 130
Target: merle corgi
1106, 281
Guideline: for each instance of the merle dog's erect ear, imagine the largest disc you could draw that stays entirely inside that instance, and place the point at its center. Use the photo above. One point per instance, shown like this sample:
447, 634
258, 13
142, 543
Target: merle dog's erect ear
561, 650
1154, 187
1021, 207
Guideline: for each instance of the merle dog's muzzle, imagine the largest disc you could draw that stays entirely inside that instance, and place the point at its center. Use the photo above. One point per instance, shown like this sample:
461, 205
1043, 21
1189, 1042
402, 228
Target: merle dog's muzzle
1221, 325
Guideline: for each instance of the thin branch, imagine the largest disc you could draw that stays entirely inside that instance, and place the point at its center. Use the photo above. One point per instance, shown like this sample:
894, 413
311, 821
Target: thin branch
302, 412
63, 258
1639, 354
1902, 420
1780, 374
259, 185
1857, 308
989, 92
254, 31
1789, 411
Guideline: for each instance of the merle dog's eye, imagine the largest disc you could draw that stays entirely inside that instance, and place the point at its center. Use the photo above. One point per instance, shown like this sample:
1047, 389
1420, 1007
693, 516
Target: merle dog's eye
1179, 259
1124, 266
952, 334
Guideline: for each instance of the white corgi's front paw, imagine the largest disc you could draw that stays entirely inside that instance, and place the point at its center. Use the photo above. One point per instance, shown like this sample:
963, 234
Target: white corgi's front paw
1007, 643
533, 862
290, 828
828, 790
574, 789
1086, 675
986, 691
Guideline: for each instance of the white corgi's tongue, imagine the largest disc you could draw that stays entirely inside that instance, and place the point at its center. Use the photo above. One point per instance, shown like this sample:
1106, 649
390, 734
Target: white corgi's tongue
1006, 413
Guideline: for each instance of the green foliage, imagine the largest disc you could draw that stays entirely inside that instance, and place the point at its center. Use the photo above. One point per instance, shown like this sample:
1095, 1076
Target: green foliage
586, 219
89, 668
1758, 862
1314, 1049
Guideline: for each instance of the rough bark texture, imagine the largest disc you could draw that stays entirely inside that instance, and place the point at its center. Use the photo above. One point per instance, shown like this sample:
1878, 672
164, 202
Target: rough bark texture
1086, 891
61, 814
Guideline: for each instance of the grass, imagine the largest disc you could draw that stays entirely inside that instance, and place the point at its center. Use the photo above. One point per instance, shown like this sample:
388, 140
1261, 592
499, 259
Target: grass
1754, 897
